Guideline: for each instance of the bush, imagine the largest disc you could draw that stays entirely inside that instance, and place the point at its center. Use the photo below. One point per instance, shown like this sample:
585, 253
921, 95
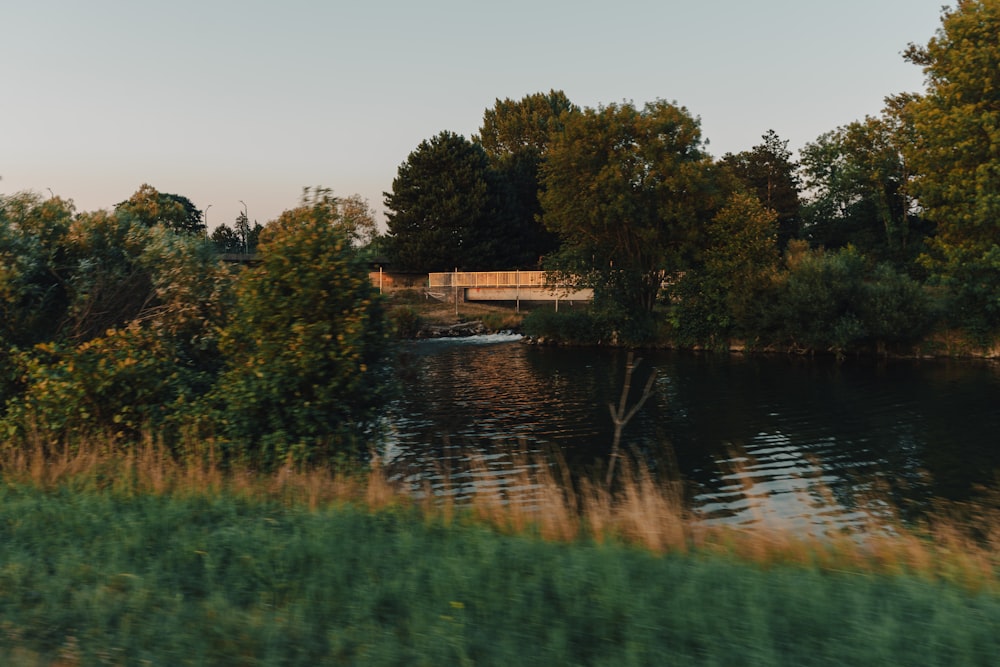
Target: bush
111, 323
111, 326
574, 327
406, 322
972, 286
305, 348
117, 385
502, 321
835, 302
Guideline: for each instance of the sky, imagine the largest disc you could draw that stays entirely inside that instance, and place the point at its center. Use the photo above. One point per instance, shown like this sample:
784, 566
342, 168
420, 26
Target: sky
250, 101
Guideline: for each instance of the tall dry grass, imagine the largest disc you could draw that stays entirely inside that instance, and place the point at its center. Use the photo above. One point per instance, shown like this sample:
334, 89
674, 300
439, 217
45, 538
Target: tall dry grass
959, 544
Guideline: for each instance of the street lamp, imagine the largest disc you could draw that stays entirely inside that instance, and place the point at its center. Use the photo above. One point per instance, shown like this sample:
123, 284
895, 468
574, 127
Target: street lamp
206, 219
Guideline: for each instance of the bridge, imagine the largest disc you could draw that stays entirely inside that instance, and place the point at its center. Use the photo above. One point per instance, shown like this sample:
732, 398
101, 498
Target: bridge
513, 286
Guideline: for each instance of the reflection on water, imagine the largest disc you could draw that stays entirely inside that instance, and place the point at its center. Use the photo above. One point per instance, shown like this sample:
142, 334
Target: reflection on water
801, 443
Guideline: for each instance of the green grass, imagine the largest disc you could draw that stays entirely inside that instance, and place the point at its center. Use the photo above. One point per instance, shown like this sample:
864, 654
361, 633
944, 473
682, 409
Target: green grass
93, 577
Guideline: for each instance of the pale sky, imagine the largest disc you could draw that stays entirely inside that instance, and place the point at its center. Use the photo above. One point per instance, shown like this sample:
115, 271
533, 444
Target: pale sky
222, 101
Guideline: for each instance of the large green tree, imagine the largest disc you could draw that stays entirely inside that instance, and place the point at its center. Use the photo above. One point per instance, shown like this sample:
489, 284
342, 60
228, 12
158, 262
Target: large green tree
955, 156
151, 207
858, 183
723, 297
515, 135
305, 343
440, 214
769, 171
628, 190
955, 152
33, 258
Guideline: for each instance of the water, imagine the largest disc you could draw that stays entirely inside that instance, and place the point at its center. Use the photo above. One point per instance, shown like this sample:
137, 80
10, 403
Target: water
796, 442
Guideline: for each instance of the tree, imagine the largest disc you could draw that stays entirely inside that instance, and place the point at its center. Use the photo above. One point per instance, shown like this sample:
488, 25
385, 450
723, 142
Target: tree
33, 292
722, 296
768, 170
955, 155
125, 337
357, 219
858, 183
514, 130
226, 240
240, 238
439, 215
305, 344
628, 191
838, 301
515, 136
175, 212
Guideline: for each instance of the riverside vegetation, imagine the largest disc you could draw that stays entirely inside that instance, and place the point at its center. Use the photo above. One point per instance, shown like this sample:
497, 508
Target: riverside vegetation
136, 557
188, 448
169, 449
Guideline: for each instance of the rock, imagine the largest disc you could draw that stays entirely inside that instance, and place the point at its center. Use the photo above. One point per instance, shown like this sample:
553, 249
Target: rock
452, 330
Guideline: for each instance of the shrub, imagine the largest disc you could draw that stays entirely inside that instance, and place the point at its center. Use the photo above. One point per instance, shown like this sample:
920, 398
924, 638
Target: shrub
116, 385
305, 347
836, 302
502, 321
575, 327
112, 323
406, 322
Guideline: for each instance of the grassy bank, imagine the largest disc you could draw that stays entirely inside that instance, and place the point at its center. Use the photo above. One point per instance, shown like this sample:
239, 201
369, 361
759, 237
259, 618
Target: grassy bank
122, 560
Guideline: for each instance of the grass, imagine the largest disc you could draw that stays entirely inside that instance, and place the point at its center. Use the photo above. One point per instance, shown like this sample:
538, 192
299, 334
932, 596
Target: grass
136, 558
496, 317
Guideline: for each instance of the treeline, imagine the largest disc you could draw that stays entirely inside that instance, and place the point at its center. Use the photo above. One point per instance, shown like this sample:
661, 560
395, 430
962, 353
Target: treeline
882, 231
116, 324
124, 322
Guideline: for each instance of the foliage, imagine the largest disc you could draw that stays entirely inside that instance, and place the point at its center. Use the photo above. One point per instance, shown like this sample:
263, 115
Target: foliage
628, 191
135, 342
972, 283
724, 296
33, 238
356, 217
522, 128
515, 136
89, 577
151, 208
406, 322
305, 344
240, 238
834, 301
113, 326
439, 211
955, 148
955, 156
768, 170
117, 384
858, 182
576, 326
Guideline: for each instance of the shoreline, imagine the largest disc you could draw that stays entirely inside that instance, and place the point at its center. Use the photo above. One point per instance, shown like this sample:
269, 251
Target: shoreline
442, 321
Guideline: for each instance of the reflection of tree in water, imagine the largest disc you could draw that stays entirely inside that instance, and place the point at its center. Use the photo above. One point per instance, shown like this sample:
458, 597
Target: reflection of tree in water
808, 428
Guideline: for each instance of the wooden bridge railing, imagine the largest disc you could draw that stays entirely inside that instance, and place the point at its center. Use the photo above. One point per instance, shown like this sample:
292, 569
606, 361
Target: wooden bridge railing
491, 279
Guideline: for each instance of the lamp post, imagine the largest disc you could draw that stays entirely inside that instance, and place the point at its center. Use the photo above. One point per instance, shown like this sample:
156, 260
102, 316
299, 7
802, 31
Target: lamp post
206, 219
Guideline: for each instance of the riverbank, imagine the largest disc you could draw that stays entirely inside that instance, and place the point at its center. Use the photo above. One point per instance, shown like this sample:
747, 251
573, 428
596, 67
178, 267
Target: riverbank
93, 579
121, 560
416, 316
436, 319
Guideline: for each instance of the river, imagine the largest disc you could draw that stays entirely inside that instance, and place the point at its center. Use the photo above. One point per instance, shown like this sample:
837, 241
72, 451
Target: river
792, 441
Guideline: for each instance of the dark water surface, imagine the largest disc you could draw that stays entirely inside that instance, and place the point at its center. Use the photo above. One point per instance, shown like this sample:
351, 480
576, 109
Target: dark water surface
799, 442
